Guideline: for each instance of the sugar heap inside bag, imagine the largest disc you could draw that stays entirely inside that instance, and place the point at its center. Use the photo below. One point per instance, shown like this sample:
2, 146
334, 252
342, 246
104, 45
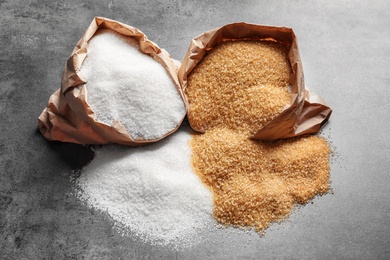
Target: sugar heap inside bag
239, 85
127, 85
236, 89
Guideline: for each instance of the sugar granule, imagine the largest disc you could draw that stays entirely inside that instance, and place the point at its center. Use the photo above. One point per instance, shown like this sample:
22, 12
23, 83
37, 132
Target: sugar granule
127, 85
151, 192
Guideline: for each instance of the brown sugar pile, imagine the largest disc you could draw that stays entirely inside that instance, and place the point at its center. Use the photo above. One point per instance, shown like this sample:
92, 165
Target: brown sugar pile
256, 183
238, 87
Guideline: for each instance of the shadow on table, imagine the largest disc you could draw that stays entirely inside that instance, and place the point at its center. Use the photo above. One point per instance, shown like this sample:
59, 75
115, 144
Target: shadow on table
75, 156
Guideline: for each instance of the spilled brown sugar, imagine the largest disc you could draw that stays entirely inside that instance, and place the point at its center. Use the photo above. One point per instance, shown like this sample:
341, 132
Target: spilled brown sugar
237, 88
255, 183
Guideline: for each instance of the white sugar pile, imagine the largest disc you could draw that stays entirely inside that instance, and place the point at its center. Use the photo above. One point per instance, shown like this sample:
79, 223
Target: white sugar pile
151, 192
127, 85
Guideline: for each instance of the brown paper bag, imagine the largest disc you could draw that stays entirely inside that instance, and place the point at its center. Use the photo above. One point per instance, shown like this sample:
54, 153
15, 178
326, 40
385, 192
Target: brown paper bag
68, 117
307, 112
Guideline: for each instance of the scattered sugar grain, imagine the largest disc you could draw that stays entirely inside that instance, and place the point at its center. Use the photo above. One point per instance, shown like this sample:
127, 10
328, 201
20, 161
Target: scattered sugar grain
150, 192
127, 85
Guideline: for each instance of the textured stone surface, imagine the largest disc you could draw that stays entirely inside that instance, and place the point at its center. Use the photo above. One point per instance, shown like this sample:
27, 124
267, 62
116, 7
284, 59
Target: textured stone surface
346, 55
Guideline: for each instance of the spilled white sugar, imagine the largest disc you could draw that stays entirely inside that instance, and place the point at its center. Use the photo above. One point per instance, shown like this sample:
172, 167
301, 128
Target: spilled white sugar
150, 191
127, 85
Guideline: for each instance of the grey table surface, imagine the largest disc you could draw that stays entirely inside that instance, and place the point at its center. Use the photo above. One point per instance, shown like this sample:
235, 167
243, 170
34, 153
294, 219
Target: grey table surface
345, 48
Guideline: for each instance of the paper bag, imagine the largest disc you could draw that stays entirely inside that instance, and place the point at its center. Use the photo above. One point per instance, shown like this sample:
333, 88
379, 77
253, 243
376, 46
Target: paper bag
69, 118
307, 112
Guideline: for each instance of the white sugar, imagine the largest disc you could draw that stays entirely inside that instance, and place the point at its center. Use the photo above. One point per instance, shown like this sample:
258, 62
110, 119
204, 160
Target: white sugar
127, 85
151, 192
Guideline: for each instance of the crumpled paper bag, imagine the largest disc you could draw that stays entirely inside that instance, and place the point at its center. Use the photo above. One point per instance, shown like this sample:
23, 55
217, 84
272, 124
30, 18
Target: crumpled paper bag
69, 118
306, 113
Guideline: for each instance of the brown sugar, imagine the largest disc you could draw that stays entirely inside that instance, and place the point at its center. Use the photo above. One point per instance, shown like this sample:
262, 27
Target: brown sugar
240, 85
254, 183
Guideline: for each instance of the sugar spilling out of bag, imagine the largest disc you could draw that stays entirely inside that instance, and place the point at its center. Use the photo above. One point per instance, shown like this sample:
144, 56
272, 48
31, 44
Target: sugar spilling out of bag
150, 192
